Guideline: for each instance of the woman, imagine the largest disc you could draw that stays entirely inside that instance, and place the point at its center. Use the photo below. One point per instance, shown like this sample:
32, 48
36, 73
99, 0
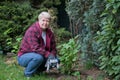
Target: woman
38, 44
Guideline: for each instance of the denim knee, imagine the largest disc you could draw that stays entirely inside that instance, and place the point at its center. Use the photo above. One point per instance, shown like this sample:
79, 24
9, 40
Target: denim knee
24, 59
38, 59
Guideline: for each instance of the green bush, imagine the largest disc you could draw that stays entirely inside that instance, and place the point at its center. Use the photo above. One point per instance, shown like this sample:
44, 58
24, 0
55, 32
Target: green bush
102, 16
62, 35
15, 18
68, 55
85, 18
109, 40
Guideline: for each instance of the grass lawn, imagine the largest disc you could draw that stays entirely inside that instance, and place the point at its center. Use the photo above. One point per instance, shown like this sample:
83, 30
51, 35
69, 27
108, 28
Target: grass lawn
13, 71
10, 70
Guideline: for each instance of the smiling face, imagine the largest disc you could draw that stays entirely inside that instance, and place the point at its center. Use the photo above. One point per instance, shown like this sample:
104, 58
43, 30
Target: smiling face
44, 20
44, 23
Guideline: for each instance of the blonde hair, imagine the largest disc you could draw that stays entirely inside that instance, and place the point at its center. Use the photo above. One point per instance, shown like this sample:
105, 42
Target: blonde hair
44, 14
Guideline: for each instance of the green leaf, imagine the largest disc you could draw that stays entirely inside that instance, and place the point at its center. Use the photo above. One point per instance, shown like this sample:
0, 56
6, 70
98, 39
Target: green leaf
115, 58
118, 42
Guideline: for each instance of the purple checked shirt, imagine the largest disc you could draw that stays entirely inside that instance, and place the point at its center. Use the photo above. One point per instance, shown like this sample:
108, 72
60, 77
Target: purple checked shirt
33, 41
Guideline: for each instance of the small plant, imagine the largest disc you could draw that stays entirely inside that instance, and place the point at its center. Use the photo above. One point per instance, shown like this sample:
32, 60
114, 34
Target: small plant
16, 45
89, 78
68, 55
62, 35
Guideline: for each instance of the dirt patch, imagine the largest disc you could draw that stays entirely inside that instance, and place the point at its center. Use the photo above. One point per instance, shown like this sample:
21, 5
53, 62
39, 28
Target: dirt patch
91, 74
10, 58
59, 76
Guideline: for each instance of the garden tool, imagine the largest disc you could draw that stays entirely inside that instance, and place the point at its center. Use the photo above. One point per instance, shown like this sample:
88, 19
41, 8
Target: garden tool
52, 63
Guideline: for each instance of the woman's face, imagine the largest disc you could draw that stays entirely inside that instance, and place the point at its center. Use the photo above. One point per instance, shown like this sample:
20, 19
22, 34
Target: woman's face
44, 23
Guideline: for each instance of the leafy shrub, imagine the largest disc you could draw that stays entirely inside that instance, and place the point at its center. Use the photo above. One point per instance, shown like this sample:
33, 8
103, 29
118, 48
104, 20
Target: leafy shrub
44, 3
109, 40
68, 55
88, 17
15, 18
84, 20
62, 35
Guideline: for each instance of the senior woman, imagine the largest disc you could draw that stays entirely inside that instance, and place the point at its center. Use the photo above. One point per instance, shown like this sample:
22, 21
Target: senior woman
38, 44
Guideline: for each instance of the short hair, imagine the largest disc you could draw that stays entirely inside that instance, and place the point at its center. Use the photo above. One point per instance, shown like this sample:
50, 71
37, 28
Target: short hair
44, 14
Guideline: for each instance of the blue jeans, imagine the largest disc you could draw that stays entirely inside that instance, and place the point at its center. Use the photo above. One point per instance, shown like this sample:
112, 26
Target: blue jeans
32, 62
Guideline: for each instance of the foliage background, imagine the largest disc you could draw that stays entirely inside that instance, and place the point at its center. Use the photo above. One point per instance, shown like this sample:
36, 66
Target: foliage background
97, 22
17, 16
15, 19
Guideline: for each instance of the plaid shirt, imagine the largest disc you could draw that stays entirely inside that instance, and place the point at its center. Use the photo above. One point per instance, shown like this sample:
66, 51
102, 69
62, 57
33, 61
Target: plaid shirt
33, 41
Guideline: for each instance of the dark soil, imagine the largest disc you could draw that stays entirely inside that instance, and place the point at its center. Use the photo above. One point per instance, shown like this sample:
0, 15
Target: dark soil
93, 73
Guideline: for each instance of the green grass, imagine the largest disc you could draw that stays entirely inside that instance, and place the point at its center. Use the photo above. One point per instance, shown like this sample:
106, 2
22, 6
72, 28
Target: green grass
15, 72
